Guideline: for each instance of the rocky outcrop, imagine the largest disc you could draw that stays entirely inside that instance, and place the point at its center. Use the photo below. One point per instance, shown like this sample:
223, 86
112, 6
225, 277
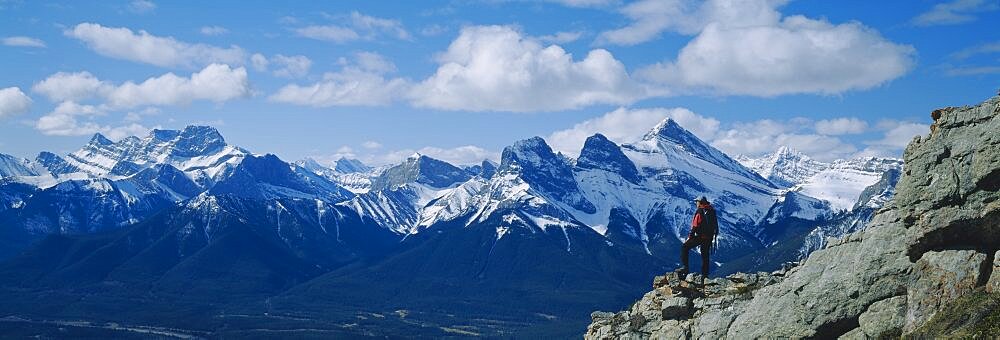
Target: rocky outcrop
934, 244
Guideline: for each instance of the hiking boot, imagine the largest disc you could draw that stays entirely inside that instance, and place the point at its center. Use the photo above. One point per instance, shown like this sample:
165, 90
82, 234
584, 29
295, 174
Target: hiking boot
681, 272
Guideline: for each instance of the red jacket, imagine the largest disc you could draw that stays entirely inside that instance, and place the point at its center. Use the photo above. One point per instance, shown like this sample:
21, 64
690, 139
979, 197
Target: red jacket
697, 221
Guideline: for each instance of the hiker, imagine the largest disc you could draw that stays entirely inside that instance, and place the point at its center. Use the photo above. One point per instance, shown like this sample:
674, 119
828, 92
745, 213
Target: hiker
704, 227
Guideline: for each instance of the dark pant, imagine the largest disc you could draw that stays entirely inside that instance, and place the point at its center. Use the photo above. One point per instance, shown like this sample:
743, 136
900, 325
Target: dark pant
705, 247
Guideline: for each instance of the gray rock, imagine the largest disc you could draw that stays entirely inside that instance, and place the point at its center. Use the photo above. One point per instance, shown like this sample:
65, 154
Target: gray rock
885, 318
675, 308
854, 334
939, 278
993, 285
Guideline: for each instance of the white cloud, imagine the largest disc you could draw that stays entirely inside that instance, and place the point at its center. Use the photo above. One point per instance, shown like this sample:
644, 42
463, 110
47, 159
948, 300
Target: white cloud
763, 136
841, 126
495, 68
899, 134
987, 48
650, 18
141, 6
371, 61
361, 83
796, 55
123, 43
629, 125
259, 62
23, 42
895, 137
358, 27
72, 119
954, 12
375, 25
371, 145
216, 82
213, 30
290, 66
64, 86
13, 102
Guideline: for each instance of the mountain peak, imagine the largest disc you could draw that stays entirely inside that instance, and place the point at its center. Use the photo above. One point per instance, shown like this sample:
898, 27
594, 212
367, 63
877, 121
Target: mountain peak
350, 165
665, 128
99, 139
421, 169
533, 160
601, 153
196, 141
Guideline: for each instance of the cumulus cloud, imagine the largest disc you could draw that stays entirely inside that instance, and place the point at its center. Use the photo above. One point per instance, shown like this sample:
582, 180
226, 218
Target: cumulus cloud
216, 82
496, 68
123, 43
749, 48
363, 82
213, 30
371, 144
13, 102
763, 136
841, 126
799, 55
358, 27
76, 86
23, 42
72, 119
650, 18
629, 125
954, 12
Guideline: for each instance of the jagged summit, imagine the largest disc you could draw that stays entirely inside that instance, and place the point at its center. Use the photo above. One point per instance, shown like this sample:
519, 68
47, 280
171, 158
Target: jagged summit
534, 161
601, 153
99, 139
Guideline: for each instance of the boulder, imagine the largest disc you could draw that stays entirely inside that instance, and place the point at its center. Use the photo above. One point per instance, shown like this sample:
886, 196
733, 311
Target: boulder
884, 319
939, 278
993, 285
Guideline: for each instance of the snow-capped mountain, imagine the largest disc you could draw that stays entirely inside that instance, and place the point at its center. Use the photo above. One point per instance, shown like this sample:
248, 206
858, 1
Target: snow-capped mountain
840, 183
784, 167
873, 198
639, 193
186, 206
398, 194
11, 166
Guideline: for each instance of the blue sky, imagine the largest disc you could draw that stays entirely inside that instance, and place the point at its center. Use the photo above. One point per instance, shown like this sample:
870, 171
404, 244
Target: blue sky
459, 80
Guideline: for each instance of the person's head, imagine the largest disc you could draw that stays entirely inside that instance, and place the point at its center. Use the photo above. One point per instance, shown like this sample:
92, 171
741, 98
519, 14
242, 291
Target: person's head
701, 202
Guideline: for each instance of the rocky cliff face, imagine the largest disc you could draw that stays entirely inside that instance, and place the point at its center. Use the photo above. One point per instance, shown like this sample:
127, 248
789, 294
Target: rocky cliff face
933, 247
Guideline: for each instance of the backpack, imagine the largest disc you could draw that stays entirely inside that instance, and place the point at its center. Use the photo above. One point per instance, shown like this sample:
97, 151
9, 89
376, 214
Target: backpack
710, 222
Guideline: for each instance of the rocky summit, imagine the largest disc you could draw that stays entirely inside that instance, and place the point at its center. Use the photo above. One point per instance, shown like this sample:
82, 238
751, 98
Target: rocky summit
923, 267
